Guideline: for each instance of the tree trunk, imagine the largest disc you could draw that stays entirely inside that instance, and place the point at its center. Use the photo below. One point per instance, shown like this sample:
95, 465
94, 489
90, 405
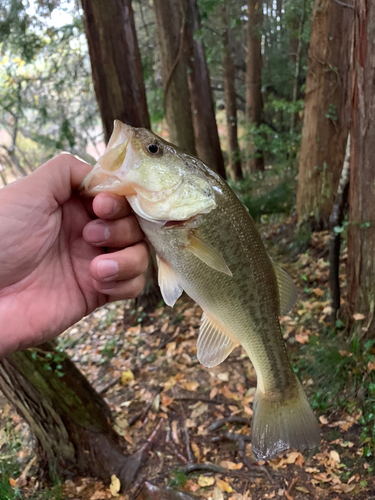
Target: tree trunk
69, 419
254, 101
230, 101
115, 62
170, 20
361, 229
326, 114
206, 135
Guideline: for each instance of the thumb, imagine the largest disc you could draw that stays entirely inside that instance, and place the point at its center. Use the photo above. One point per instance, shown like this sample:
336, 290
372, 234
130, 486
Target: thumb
60, 176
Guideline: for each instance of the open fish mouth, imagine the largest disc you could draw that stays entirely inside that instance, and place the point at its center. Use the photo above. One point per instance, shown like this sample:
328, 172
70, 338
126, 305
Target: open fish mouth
99, 180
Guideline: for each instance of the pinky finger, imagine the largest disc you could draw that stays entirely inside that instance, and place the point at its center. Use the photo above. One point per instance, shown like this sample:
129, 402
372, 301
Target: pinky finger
121, 290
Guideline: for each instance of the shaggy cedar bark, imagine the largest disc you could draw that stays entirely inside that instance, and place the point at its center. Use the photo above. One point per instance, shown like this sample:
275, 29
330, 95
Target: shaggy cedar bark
254, 101
205, 128
326, 113
230, 101
361, 229
115, 62
69, 419
170, 22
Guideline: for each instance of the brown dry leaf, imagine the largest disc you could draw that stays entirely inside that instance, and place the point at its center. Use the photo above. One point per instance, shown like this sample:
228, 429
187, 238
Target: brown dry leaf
292, 457
115, 486
303, 337
166, 400
358, 316
190, 386
344, 488
224, 377
371, 366
204, 481
100, 495
217, 494
12, 482
318, 292
302, 489
231, 465
196, 450
191, 485
335, 456
228, 394
175, 431
248, 410
223, 485
323, 420
312, 470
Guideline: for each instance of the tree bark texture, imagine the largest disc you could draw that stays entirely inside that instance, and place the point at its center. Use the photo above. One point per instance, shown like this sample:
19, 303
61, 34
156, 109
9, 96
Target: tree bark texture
70, 421
115, 62
361, 229
326, 114
205, 128
254, 101
170, 20
230, 101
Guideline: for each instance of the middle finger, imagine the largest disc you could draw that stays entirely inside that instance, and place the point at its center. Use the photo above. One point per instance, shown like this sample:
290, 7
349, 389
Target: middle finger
119, 233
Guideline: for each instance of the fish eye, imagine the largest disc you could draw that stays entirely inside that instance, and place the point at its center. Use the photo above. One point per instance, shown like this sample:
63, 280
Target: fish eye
153, 148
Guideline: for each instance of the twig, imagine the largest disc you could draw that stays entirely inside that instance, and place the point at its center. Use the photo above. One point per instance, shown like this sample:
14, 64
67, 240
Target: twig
179, 455
229, 420
143, 413
252, 466
290, 487
204, 466
188, 449
206, 400
110, 384
230, 436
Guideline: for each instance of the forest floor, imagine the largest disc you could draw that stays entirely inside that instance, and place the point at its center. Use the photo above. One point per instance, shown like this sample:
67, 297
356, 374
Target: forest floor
146, 368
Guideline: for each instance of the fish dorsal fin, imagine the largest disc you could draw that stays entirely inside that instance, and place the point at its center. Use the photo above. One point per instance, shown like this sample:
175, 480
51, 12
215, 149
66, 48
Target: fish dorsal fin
213, 345
208, 255
288, 294
168, 282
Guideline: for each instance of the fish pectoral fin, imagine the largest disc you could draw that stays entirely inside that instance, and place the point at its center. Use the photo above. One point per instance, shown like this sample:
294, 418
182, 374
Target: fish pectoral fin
214, 344
168, 282
288, 293
208, 255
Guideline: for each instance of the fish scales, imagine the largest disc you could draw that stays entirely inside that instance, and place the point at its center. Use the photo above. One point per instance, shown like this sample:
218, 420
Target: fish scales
207, 244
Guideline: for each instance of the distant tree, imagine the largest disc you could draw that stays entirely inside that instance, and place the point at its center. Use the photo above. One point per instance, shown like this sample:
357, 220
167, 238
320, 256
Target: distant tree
254, 101
69, 419
230, 98
361, 228
171, 20
326, 113
115, 63
206, 134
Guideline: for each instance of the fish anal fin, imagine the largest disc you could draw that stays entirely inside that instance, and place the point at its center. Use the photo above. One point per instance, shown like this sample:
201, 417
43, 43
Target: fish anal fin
281, 423
168, 282
214, 344
208, 254
288, 294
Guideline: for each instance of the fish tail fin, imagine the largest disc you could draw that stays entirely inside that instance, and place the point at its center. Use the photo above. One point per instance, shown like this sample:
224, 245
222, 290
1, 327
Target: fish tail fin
282, 423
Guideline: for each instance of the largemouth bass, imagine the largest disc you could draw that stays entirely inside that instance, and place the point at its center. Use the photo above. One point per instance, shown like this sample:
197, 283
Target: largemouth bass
207, 244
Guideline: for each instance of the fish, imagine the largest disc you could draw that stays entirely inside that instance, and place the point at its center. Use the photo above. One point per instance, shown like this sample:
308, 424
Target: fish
207, 245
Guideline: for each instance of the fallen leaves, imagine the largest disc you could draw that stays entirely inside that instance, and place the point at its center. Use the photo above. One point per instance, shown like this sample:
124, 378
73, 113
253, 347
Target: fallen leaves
115, 486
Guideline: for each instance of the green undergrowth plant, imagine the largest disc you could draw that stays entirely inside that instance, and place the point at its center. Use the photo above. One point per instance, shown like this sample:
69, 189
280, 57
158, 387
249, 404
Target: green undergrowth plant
343, 378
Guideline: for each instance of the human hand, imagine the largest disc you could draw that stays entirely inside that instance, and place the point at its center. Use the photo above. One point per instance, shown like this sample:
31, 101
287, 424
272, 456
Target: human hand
53, 265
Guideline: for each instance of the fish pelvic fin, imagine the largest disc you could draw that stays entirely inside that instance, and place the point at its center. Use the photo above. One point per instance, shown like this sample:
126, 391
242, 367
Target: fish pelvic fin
214, 344
168, 282
280, 424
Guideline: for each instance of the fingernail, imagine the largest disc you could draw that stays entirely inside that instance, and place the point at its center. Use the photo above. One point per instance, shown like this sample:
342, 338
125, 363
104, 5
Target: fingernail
109, 206
107, 269
97, 232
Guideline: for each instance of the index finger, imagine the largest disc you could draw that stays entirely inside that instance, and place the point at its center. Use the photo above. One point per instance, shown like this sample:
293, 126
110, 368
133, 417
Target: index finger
110, 206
